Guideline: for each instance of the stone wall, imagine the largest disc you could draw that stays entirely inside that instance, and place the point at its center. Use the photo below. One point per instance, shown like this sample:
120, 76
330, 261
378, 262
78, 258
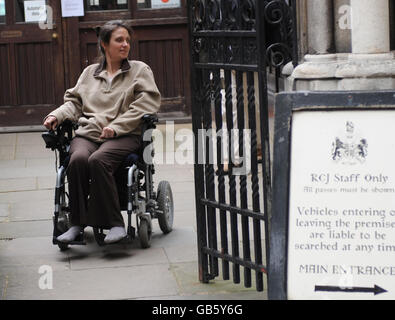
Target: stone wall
344, 45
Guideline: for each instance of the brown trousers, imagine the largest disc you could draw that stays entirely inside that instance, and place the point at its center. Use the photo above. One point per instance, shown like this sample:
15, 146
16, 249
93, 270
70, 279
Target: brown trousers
93, 192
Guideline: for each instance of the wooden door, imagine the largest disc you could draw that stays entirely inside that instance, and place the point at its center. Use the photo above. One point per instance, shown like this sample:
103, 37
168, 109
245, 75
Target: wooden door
161, 40
31, 61
165, 49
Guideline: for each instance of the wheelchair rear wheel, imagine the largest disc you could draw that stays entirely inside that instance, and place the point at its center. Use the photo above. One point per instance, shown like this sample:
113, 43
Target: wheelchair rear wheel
166, 206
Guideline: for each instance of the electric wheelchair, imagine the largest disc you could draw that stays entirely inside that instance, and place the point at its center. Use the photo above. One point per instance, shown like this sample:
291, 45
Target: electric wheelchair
135, 186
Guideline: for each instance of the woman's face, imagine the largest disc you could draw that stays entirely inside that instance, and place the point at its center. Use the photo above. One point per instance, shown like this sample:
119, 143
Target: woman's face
119, 46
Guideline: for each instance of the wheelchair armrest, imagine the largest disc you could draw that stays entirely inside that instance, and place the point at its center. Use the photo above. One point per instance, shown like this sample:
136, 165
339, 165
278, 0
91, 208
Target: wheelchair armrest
51, 140
60, 138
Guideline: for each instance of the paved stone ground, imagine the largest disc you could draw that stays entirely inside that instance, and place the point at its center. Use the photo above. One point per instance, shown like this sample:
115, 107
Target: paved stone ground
167, 270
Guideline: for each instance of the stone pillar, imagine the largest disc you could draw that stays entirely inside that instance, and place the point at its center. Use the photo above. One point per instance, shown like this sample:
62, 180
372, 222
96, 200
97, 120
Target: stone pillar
368, 65
370, 31
320, 26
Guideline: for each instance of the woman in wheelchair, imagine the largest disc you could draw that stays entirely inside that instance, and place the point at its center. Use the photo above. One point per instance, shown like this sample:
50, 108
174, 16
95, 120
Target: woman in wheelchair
108, 103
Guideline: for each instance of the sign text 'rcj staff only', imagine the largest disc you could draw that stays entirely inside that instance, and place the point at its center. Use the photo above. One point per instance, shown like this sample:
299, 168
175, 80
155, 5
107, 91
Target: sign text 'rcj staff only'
338, 220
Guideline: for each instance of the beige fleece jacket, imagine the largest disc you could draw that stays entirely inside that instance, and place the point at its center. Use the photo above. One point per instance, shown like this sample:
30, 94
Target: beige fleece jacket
97, 102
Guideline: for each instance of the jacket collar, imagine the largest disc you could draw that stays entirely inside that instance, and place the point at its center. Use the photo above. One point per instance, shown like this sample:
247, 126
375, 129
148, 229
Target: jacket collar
125, 66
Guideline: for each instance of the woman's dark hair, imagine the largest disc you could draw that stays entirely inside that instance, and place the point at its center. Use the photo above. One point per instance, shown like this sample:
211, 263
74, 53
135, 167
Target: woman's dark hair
104, 34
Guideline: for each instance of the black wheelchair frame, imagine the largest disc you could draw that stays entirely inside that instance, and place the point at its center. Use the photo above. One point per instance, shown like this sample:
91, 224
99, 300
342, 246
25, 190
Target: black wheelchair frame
134, 183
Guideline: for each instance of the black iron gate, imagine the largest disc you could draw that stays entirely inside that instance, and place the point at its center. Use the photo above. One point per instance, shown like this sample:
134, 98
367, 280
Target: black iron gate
233, 45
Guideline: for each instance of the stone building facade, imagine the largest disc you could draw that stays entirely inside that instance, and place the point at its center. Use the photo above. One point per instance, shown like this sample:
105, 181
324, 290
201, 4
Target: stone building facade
344, 45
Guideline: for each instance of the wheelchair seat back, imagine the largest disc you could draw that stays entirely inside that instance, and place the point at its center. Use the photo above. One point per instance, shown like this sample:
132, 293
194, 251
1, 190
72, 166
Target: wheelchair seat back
149, 123
135, 158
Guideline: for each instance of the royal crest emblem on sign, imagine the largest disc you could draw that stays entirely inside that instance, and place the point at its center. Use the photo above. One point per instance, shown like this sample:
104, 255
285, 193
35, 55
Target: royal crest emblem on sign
349, 149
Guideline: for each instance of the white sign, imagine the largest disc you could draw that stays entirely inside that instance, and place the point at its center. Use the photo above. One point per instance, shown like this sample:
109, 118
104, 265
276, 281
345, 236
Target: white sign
35, 11
2, 8
160, 4
72, 8
342, 205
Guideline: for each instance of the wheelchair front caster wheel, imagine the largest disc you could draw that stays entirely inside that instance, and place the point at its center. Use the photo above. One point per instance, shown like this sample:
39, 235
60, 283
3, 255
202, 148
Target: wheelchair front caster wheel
166, 206
145, 234
99, 236
63, 246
